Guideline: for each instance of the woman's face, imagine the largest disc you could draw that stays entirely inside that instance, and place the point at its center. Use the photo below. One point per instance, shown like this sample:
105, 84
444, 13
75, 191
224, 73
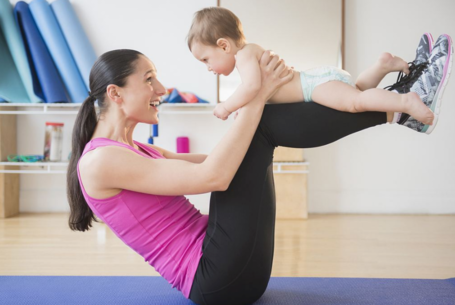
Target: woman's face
215, 58
142, 93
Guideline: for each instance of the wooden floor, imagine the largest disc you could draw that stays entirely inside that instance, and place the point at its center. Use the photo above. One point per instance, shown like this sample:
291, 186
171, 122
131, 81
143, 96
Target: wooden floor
380, 246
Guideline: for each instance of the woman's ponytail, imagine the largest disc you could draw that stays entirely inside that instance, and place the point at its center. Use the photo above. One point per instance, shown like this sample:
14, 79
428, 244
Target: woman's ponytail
81, 215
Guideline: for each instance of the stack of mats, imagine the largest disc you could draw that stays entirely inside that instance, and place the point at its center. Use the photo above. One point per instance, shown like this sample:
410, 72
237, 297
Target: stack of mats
45, 55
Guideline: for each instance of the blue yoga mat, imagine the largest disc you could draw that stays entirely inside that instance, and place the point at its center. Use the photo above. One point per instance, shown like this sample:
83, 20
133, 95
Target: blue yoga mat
59, 50
16, 48
98, 290
77, 40
46, 80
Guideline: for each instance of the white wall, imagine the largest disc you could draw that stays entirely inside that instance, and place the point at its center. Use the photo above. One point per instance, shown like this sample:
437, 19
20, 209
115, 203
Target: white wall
290, 34
389, 169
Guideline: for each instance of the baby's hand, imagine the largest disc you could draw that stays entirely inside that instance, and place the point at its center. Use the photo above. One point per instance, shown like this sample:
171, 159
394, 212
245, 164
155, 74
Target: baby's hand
221, 112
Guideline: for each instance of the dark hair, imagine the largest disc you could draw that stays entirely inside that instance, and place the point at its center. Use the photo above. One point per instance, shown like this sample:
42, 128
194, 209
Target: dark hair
112, 67
213, 23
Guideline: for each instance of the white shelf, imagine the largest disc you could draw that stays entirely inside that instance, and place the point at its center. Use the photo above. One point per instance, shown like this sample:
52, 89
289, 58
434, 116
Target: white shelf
50, 168
40, 167
182, 108
71, 108
41, 108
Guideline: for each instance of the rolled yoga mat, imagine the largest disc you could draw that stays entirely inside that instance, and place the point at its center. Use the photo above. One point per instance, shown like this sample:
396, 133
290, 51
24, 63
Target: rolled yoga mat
59, 50
16, 48
44, 290
11, 86
46, 80
75, 36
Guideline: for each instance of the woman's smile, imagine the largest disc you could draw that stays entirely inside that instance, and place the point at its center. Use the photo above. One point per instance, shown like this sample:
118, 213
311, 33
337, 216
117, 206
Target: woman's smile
154, 104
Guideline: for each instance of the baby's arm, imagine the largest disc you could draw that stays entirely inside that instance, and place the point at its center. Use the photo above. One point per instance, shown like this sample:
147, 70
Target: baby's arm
250, 73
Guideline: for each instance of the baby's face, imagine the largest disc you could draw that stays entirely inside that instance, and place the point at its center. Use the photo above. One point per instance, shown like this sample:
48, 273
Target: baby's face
215, 58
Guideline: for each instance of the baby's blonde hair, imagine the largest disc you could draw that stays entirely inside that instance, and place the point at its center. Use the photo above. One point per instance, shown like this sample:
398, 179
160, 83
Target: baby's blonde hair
213, 23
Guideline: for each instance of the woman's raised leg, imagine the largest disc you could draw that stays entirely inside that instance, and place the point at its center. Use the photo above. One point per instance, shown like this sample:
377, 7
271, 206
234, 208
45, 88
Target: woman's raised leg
306, 125
238, 247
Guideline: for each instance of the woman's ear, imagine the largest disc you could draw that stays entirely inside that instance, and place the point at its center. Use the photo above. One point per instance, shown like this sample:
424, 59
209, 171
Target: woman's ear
113, 93
224, 44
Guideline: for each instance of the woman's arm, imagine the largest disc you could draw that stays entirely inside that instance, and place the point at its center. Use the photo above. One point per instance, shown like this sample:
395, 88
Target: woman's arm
193, 158
118, 168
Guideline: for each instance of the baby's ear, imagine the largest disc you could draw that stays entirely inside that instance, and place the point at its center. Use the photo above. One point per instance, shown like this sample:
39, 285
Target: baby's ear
224, 44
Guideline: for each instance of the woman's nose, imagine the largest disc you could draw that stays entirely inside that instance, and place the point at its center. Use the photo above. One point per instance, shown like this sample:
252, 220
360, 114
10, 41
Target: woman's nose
160, 89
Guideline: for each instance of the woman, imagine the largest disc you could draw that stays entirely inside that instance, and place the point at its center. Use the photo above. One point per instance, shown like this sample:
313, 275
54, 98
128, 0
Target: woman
137, 189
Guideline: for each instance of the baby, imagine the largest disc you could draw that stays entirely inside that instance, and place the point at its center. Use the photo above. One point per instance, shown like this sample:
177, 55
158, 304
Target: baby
216, 38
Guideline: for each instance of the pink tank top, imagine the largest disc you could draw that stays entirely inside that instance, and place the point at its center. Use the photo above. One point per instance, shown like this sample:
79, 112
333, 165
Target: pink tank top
167, 231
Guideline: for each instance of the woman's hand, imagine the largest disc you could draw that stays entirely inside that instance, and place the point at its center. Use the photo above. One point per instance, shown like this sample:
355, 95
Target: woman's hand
274, 73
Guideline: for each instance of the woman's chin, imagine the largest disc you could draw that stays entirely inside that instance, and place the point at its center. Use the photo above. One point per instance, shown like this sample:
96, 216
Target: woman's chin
151, 121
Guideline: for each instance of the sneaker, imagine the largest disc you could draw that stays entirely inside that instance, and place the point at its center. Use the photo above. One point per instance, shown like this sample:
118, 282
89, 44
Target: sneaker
430, 86
405, 82
424, 49
428, 80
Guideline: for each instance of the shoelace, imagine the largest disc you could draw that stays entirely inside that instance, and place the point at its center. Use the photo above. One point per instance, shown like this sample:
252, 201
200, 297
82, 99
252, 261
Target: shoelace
415, 70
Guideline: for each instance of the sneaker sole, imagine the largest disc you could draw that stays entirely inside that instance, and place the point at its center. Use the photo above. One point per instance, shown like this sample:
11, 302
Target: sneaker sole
436, 107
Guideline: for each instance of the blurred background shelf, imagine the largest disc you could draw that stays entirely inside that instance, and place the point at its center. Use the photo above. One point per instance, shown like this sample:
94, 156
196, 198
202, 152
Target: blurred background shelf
182, 108
29, 108
34, 167
60, 167
70, 108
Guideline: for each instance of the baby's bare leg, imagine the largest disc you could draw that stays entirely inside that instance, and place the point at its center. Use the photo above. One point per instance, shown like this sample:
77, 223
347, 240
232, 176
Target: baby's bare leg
343, 97
385, 64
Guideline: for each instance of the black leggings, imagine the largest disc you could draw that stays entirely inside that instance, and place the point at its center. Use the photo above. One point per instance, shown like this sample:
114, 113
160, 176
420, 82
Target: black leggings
238, 248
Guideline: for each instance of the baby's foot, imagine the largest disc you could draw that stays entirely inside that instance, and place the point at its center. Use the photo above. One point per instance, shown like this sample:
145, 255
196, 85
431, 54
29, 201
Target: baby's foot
417, 109
390, 63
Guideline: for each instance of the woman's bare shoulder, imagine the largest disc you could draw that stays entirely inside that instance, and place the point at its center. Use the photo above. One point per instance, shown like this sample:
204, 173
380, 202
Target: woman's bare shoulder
95, 168
98, 160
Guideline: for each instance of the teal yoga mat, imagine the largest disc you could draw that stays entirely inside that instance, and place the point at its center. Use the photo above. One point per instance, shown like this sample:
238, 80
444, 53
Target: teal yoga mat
11, 87
59, 50
16, 48
75, 36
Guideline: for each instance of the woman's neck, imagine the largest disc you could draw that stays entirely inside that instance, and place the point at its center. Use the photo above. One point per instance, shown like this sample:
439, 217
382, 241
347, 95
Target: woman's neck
116, 127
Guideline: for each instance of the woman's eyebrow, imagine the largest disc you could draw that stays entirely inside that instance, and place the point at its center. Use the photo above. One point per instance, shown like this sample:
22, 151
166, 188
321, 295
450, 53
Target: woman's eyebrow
150, 71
